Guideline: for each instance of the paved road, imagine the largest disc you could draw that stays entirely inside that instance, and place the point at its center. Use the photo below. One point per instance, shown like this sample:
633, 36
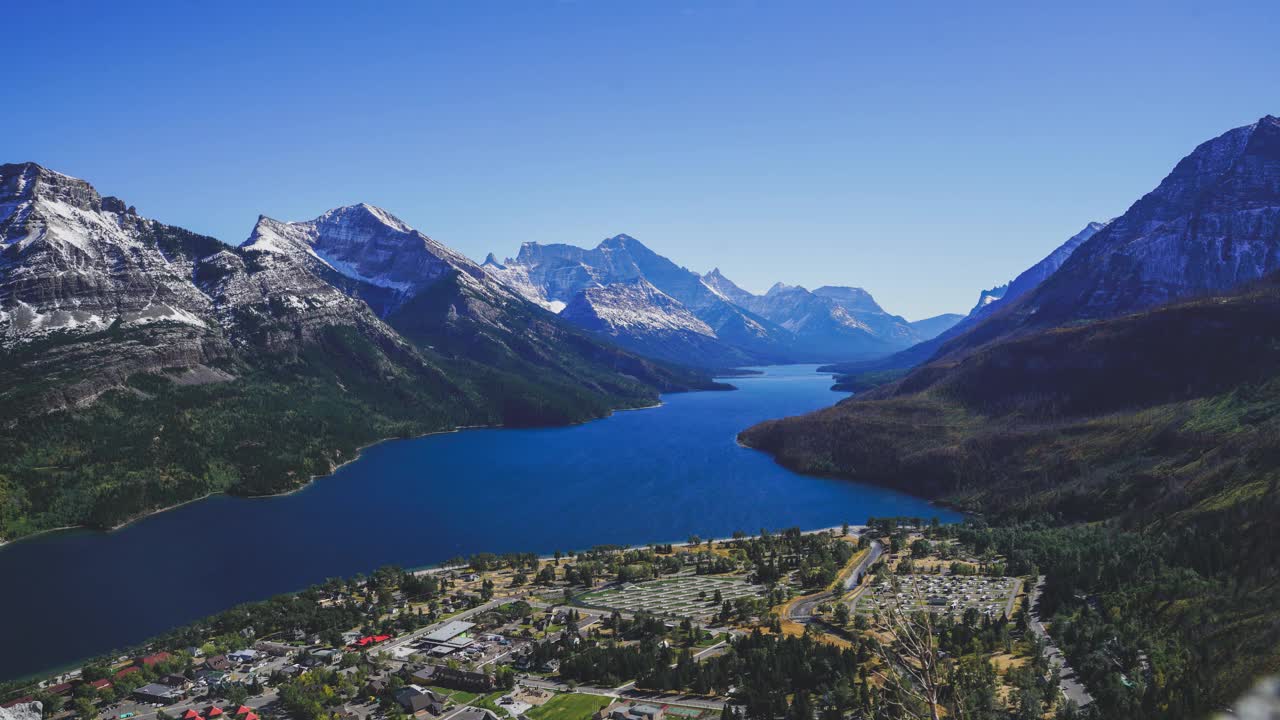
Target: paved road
1071, 686
627, 692
1013, 599
855, 577
803, 610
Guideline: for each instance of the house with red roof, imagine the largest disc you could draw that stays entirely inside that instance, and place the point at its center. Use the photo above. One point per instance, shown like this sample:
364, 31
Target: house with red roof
368, 640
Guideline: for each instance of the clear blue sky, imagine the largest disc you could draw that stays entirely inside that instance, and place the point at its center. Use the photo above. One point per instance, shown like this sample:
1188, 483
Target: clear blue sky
921, 150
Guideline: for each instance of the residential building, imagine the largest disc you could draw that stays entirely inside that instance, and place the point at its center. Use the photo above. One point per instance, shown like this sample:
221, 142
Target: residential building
244, 657
415, 700
454, 679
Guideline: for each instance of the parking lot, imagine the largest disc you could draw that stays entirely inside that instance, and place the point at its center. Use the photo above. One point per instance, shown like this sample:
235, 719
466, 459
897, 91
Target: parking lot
691, 596
952, 594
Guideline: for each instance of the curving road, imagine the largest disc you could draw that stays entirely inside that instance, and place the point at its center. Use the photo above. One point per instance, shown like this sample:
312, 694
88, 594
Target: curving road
804, 608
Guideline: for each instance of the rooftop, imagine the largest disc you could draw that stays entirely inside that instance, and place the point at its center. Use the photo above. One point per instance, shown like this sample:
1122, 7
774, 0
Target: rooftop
449, 631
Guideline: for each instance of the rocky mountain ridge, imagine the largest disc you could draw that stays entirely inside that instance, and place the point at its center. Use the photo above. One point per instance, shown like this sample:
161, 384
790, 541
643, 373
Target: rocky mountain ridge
1211, 225
786, 324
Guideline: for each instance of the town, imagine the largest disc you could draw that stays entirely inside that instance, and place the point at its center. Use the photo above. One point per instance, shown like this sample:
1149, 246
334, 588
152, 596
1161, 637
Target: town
728, 628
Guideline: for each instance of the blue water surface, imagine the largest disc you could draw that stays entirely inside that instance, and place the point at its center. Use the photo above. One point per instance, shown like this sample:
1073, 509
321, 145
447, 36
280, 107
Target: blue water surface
637, 477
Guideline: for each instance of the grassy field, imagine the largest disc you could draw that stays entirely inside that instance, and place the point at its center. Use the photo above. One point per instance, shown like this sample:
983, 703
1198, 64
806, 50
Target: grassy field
490, 702
461, 697
568, 706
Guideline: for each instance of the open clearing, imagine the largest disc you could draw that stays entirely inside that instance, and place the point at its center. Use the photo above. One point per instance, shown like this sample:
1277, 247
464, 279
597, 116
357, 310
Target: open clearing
569, 706
691, 596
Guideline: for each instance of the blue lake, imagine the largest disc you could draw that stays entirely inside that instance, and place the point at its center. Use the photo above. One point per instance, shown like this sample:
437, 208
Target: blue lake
637, 477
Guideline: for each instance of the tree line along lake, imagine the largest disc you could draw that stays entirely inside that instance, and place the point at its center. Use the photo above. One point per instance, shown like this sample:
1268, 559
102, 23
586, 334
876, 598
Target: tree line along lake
637, 477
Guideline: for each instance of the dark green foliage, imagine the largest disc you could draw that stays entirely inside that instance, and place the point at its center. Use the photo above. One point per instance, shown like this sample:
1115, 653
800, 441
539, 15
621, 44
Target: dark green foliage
863, 381
765, 670
1161, 428
286, 416
283, 420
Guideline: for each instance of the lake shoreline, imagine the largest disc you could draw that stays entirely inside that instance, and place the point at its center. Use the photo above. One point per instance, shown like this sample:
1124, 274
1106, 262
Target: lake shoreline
359, 452
631, 480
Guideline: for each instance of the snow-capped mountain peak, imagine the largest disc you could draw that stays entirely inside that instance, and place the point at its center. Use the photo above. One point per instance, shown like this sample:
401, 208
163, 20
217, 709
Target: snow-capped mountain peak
366, 244
787, 323
76, 261
635, 306
726, 288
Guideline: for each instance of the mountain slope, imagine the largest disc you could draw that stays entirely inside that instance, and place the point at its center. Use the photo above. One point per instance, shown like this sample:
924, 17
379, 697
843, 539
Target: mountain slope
638, 316
971, 432
1029, 279
989, 301
1162, 428
144, 365
67, 252
1210, 225
931, 327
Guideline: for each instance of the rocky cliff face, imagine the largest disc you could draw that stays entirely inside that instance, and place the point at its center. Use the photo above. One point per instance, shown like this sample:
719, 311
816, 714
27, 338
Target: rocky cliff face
1212, 224
364, 249
78, 266
73, 261
987, 297
517, 278
638, 316
635, 306
727, 288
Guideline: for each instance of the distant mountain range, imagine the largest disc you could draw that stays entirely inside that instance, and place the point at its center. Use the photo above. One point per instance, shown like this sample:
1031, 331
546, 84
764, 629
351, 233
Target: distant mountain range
643, 301
989, 301
142, 364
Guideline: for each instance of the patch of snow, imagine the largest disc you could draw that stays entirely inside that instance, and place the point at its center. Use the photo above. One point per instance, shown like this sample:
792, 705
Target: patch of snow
349, 270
